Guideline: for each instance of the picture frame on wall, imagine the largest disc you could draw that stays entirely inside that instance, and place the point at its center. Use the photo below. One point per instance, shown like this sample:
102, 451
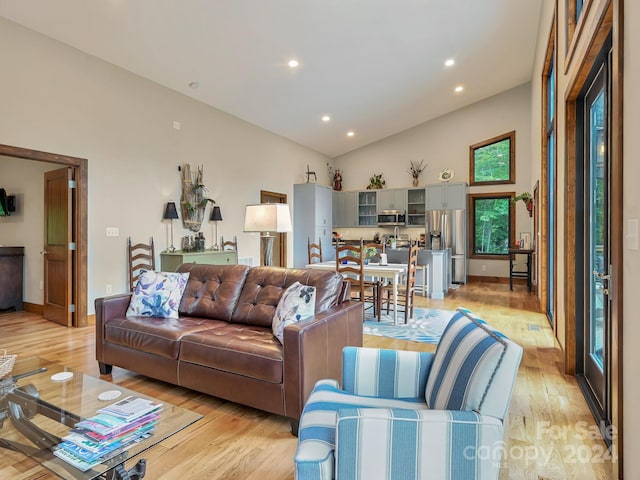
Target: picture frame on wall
525, 240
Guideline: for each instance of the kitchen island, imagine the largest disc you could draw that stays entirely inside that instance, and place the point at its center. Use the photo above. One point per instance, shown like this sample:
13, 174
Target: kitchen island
438, 272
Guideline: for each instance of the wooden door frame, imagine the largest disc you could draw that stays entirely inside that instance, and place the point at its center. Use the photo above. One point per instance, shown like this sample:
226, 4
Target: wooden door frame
79, 286
283, 236
609, 20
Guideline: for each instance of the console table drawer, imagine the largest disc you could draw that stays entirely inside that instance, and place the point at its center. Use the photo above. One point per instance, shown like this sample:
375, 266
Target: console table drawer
169, 262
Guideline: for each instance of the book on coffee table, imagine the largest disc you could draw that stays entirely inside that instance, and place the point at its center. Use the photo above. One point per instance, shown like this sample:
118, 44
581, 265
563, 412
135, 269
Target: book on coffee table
130, 408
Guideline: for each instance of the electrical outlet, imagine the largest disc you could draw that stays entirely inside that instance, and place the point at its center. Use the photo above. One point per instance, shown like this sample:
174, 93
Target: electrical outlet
176, 125
484, 268
108, 289
113, 232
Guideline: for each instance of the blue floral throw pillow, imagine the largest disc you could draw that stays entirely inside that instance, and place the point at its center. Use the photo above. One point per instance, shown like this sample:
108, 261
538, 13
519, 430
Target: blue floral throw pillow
297, 302
158, 294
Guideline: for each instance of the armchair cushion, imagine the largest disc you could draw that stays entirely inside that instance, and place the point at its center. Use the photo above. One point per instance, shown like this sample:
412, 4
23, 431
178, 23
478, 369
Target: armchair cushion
466, 365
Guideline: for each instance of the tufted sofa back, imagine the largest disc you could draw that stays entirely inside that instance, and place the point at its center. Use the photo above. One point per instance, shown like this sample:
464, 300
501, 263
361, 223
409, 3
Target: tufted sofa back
250, 295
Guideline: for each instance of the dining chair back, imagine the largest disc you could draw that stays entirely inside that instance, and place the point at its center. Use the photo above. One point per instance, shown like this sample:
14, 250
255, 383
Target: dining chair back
314, 250
350, 264
406, 296
229, 245
141, 257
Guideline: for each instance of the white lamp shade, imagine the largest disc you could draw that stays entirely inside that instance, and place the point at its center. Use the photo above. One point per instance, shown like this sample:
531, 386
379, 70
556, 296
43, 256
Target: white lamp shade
267, 217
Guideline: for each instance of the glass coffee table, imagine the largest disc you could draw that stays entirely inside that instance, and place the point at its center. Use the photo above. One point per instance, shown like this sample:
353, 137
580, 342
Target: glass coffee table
39, 405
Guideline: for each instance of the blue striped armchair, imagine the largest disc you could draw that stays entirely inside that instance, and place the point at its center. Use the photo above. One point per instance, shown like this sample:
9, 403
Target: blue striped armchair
413, 415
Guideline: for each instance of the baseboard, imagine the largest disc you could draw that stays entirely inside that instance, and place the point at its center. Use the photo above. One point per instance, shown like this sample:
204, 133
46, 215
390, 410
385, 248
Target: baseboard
91, 319
482, 279
33, 308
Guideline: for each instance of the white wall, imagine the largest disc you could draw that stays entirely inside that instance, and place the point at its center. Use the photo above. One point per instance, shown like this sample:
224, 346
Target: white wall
57, 99
444, 143
25, 227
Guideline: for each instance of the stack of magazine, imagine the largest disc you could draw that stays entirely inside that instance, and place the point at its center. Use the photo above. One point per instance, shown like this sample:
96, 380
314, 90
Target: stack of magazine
111, 431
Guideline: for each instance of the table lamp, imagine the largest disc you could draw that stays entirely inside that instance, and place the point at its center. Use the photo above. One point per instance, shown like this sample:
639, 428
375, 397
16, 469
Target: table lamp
216, 216
170, 213
267, 218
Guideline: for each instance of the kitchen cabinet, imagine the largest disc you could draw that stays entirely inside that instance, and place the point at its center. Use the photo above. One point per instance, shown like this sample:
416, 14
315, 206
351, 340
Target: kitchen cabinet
392, 199
312, 220
345, 210
169, 261
416, 207
367, 208
447, 196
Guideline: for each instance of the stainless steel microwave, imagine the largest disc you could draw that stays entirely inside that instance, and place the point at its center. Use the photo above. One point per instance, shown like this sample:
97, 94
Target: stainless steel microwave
391, 217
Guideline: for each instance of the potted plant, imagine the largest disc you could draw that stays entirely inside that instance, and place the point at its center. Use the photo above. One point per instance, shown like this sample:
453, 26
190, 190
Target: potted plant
527, 199
369, 252
376, 182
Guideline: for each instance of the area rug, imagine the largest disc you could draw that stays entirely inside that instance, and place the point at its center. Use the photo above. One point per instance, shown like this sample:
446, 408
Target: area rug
426, 326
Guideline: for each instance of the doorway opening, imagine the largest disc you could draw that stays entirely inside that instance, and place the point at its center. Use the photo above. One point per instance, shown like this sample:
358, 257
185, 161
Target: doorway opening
77, 281
280, 242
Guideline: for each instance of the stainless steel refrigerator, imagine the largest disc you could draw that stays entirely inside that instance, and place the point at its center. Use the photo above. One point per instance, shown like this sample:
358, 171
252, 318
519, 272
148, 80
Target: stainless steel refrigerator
447, 229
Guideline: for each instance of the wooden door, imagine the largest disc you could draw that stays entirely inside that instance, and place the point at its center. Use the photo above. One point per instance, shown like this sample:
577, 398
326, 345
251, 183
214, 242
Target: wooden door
58, 248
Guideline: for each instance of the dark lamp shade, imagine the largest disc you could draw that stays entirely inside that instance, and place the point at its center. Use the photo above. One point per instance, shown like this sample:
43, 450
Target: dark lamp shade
216, 214
170, 212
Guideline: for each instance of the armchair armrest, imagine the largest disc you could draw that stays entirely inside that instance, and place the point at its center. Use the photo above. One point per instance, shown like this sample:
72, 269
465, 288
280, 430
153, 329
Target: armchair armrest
107, 308
312, 351
417, 444
376, 372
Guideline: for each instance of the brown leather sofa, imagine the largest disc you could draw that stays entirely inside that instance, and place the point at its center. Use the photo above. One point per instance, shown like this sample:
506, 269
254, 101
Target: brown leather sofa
223, 344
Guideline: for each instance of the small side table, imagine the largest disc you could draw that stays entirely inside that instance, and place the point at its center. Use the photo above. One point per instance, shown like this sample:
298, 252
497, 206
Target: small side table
519, 273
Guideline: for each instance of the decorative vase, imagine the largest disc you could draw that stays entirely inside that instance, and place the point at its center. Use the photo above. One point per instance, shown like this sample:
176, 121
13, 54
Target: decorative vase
416, 181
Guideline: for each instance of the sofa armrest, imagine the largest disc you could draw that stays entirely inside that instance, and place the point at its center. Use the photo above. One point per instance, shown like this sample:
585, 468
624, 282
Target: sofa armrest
417, 444
313, 350
376, 372
108, 308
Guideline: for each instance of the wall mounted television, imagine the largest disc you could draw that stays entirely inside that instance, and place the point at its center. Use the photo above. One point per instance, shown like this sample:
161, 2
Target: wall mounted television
7, 203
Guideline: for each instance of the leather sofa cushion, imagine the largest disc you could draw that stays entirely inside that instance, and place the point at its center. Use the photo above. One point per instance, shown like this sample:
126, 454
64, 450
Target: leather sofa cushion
212, 290
158, 336
264, 286
239, 349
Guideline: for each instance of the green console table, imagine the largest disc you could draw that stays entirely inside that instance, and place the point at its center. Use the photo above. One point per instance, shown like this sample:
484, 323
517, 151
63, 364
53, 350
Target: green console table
169, 261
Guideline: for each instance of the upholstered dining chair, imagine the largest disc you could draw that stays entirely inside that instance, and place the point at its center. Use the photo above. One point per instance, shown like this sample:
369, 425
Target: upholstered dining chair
314, 250
229, 245
141, 257
407, 414
350, 263
406, 296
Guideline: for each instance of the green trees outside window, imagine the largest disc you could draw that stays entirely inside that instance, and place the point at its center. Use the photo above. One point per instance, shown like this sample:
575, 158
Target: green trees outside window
493, 161
492, 224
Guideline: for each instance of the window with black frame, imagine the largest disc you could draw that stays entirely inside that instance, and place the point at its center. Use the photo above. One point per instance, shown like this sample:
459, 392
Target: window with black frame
493, 161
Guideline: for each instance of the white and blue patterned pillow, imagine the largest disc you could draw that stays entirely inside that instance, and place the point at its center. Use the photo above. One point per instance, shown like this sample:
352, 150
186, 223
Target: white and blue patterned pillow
158, 294
297, 303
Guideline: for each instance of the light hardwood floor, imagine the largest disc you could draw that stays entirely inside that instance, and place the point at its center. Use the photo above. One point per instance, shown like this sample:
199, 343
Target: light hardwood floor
550, 433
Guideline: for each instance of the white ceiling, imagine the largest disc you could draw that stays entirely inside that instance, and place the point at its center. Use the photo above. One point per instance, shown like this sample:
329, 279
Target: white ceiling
375, 66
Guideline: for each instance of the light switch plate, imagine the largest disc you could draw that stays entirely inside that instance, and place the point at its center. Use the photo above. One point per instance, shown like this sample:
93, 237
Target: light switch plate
113, 232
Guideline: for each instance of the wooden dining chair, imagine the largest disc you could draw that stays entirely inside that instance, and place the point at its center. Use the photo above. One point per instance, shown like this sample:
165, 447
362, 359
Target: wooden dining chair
406, 296
350, 263
141, 257
314, 250
229, 245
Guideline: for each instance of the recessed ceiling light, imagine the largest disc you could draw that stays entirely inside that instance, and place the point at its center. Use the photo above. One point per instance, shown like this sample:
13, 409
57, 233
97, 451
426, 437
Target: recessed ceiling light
350, 134
293, 63
326, 118
194, 85
450, 62
459, 88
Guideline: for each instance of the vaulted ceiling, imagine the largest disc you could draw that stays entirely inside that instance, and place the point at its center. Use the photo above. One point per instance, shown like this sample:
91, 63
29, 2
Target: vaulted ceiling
375, 67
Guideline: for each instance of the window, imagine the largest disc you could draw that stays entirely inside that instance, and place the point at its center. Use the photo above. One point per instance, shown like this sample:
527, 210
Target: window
493, 161
492, 219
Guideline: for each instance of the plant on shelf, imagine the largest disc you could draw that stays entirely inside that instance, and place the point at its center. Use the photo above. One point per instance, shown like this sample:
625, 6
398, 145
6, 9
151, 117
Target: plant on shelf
416, 169
376, 182
527, 199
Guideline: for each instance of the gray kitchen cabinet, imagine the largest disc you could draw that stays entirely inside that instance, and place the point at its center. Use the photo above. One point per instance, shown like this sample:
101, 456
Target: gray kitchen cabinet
416, 207
367, 208
447, 196
345, 210
392, 199
312, 220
